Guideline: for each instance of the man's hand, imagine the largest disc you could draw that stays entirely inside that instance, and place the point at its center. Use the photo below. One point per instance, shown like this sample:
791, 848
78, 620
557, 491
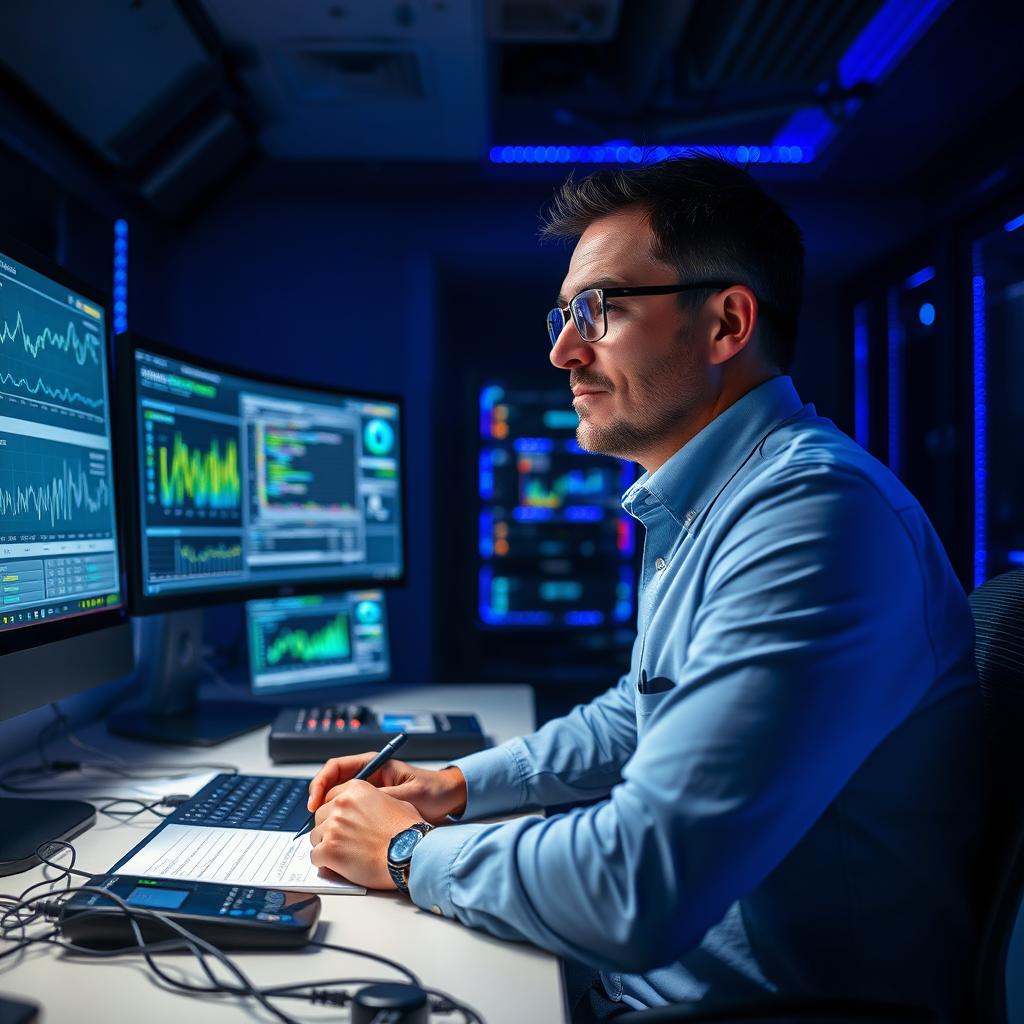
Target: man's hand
354, 829
434, 794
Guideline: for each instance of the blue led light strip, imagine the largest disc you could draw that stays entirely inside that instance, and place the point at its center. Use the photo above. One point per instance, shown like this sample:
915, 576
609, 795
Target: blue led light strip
1012, 225
896, 340
627, 153
861, 374
120, 276
980, 418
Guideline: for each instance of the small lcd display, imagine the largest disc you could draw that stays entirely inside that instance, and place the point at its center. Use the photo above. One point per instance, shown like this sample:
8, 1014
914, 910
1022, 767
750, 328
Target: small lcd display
158, 899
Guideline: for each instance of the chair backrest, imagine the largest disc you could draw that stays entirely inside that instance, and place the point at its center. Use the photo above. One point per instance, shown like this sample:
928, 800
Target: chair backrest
998, 609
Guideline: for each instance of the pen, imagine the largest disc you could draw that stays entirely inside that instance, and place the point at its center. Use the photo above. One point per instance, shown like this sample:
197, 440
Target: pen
389, 750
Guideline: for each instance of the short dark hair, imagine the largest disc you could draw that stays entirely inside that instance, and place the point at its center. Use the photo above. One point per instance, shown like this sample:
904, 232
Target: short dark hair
709, 218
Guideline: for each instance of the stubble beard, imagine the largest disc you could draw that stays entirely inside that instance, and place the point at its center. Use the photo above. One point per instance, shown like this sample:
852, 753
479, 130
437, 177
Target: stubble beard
665, 396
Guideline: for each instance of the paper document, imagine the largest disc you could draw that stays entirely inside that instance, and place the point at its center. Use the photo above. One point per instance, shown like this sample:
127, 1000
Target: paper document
234, 856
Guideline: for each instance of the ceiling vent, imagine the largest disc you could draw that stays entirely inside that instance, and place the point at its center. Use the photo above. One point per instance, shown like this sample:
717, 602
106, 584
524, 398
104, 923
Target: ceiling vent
552, 21
324, 75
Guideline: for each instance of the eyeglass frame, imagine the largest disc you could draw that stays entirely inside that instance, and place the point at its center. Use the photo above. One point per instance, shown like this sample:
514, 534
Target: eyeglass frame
648, 289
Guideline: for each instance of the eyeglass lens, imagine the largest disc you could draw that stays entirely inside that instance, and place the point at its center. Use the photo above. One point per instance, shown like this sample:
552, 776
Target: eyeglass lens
556, 321
587, 311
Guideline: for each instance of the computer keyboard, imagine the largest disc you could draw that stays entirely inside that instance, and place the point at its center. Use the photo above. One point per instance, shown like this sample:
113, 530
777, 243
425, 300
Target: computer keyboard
247, 801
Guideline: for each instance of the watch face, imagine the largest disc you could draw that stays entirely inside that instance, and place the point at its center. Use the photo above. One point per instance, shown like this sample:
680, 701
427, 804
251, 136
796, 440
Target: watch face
404, 843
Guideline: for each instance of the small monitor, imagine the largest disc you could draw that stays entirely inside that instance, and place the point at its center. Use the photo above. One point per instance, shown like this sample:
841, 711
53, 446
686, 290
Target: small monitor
248, 486
318, 641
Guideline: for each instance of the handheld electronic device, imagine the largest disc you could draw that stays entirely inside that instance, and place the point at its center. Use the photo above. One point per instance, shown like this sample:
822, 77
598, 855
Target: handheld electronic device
229, 916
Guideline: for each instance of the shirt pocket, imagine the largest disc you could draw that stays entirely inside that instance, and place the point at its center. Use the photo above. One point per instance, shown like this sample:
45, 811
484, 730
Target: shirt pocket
646, 705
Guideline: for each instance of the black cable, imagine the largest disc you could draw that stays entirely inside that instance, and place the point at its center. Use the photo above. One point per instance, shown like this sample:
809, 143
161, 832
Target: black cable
445, 1003
393, 964
199, 947
27, 910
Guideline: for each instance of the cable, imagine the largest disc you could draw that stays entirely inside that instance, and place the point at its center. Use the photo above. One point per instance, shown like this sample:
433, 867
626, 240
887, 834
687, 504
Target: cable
394, 965
21, 912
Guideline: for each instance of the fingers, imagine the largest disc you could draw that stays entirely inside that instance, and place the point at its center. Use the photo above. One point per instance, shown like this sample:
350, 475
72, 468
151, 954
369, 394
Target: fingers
336, 771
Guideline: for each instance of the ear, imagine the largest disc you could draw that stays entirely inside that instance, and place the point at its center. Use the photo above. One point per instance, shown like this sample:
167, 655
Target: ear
736, 312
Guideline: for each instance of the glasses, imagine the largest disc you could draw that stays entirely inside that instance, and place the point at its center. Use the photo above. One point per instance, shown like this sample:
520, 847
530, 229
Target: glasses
590, 315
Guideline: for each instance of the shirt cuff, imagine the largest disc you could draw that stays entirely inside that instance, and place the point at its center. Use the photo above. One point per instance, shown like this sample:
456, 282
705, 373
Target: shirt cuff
495, 780
430, 871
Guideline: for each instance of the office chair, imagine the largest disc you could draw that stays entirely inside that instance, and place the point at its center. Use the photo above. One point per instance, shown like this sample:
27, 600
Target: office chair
998, 610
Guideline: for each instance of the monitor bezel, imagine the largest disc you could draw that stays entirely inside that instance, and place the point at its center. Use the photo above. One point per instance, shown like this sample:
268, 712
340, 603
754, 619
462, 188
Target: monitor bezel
53, 631
140, 603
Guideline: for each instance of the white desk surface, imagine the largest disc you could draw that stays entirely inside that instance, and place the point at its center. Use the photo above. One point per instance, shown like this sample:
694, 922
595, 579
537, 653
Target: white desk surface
507, 983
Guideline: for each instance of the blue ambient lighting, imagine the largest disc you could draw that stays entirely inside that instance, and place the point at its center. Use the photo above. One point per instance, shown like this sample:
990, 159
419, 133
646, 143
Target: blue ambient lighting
896, 339
923, 276
1012, 225
625, 152
120, 276
861, 376
881, 45
926, 314
980, 419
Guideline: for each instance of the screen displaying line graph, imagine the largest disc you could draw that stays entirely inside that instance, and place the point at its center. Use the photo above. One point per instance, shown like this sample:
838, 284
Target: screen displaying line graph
52, 488
250, 483
319, 640
192, 469
52, 365
58, 537
196, 556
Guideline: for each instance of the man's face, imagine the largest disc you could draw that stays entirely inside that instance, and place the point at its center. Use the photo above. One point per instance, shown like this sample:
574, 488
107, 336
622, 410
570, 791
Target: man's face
638, 387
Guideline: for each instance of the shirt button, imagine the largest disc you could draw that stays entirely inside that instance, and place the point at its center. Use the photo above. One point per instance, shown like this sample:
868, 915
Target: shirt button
660, 563
435, 909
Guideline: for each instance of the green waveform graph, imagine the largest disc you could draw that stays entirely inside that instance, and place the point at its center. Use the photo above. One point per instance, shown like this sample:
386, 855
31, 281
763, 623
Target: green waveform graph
331, 642
199, 477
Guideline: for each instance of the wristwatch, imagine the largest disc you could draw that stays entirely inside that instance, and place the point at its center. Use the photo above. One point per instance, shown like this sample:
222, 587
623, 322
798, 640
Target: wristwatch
400, 853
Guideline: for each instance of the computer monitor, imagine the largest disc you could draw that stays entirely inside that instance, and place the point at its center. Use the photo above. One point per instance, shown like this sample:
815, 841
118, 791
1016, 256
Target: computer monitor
63, 626
246, 486
322, 642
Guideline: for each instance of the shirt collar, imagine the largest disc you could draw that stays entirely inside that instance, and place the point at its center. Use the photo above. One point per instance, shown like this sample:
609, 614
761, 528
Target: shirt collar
700, 469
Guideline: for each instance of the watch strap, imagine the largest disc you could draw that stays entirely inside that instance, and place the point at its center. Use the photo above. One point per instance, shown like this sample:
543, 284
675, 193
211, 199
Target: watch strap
399, 869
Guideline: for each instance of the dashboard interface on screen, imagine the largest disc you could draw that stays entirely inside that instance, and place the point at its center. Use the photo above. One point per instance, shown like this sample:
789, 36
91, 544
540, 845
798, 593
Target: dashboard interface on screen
246, 483
58, 533
318, 640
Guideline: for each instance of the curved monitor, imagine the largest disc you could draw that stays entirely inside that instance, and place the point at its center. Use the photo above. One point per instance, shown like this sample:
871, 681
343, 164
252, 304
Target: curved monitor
60, 559
244, 485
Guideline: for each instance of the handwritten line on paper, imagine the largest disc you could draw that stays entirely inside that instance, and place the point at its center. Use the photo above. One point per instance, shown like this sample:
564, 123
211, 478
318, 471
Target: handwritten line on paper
234, 856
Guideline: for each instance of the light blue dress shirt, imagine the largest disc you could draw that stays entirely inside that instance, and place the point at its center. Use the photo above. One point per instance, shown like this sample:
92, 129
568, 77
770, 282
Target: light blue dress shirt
799, 812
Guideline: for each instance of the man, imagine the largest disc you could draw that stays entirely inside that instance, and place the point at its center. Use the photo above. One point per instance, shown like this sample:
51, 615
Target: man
789, 776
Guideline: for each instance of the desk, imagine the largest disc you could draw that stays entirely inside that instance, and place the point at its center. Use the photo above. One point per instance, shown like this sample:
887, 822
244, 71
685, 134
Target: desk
506, 983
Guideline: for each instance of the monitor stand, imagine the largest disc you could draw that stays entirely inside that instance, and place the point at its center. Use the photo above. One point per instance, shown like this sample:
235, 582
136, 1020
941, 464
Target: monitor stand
168, 656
